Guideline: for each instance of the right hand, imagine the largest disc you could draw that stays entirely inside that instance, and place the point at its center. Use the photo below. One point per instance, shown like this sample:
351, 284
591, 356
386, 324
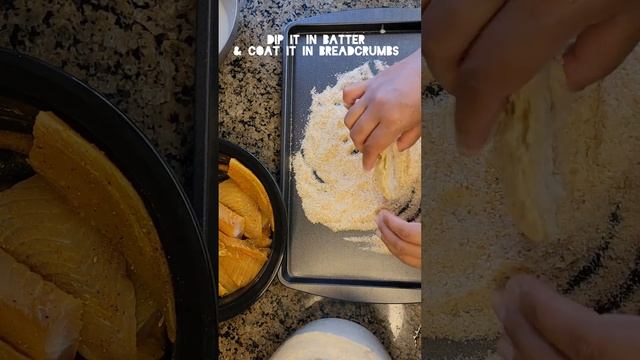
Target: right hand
539, 323
484, 51
385, 109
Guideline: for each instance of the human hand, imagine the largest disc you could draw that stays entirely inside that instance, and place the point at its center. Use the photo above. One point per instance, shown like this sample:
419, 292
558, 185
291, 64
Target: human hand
384, 109
483, 51
539, 323
402, 238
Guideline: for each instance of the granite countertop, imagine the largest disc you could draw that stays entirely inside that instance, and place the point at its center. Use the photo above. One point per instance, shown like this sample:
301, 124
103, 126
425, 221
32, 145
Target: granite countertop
139, 54
250, 92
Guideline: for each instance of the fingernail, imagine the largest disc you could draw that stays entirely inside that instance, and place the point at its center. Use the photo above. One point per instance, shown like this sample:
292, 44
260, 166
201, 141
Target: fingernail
379, 234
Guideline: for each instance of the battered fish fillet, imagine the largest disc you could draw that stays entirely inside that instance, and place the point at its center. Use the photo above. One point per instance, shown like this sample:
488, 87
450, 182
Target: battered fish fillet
230, 223
36, 317
264, 241
40, 230
233, 197
239, 262
524, 144
251, 185
104, 197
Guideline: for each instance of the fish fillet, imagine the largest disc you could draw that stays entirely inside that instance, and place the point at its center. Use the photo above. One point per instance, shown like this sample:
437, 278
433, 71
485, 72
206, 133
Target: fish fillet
14, 141
153, 346
104, 197
249, 183
525, 152
7, 352
36, 317
390, 171
233, 197
40, 230
229, 222
238, 262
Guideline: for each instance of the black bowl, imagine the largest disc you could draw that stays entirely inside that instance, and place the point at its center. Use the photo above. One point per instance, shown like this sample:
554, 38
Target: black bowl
32, 82
239, 301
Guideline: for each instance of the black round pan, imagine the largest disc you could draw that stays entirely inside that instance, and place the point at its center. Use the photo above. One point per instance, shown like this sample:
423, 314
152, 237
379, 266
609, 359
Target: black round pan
241, 300
31, 81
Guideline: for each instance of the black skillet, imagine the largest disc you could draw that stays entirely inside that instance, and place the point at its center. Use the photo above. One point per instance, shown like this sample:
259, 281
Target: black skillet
29, 84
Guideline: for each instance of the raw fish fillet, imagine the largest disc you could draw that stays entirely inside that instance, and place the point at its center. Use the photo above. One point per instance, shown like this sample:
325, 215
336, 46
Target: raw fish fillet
40, 230
153, 346
7, 352
148, 314
231, 196
104, 197
36, 317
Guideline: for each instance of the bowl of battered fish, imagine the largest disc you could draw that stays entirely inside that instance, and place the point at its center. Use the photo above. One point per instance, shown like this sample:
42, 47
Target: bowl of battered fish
251, 229
101, 256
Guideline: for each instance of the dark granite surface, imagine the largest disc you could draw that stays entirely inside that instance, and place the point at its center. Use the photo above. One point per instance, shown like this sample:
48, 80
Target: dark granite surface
250, 91
140, 54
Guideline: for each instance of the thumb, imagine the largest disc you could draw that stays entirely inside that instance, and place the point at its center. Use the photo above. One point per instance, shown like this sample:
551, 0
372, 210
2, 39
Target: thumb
571, 328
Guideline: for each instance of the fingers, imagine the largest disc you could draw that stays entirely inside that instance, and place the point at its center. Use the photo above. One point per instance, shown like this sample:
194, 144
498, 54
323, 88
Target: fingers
355, 112
519, 40
449, 27
600, 49
527, 342
353, 92
424, 4
570, 328
504, 348
375, 144
408, 231
620, 337
363, 128
407, 139
407, 252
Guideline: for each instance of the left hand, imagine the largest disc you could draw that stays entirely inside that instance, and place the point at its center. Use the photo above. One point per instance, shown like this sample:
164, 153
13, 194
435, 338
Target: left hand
402, 238
539, 323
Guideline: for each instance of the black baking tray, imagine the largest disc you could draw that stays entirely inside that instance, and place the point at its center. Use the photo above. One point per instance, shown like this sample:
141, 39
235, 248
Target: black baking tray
317, 260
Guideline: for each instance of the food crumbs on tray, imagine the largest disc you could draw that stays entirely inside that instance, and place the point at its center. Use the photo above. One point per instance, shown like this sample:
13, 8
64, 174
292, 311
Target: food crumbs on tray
335, 190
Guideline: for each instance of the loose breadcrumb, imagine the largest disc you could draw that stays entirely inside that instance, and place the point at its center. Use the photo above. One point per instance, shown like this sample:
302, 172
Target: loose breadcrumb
471, 238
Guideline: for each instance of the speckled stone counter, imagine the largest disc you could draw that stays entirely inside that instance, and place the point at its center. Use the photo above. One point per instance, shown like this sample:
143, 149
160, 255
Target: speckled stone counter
140, 54
250, 92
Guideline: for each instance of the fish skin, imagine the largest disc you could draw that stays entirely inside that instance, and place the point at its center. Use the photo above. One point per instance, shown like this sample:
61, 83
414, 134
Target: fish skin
39, 229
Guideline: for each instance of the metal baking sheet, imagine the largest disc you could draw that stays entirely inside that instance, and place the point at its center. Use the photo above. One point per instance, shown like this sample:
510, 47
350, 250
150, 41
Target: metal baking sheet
318, 260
